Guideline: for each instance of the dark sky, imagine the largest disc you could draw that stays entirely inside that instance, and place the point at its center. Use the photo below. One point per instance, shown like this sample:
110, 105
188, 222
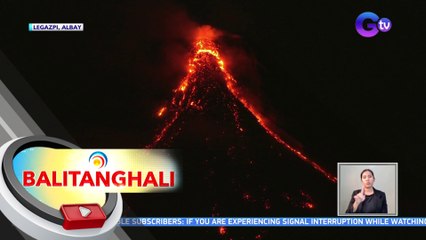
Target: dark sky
334, 91
343, 97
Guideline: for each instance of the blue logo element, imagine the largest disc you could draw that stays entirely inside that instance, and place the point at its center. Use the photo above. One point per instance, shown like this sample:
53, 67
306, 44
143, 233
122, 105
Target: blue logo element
368, 24
98, 159
384, 25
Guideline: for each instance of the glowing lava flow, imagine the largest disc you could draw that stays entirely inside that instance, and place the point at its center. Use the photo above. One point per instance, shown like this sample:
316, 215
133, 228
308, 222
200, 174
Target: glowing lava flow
205, 50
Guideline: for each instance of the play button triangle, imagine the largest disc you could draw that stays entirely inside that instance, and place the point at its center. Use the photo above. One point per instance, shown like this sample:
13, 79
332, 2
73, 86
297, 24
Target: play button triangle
84, 211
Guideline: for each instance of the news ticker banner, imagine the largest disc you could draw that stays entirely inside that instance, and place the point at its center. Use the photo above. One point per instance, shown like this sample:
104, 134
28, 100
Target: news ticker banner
274, 222
67, 176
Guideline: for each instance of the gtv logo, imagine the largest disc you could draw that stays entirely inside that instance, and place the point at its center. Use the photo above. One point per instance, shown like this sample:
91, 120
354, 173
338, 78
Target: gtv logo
368, 24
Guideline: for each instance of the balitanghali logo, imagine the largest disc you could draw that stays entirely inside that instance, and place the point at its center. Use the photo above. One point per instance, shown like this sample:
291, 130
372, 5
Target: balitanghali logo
129, 170
98, 159
368, 24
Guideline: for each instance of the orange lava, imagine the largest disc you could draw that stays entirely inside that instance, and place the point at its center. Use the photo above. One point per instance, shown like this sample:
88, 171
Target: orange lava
206, 48
222, 230
162, 110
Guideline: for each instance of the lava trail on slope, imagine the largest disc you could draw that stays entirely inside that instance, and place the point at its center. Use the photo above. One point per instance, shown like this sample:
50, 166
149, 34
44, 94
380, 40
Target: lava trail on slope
233, 164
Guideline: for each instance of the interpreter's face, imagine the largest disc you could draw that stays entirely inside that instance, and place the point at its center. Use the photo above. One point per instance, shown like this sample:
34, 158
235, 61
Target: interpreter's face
367, 179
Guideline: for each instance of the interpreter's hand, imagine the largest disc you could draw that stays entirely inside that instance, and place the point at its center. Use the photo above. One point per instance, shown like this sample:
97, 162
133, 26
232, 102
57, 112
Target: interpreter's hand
360, 197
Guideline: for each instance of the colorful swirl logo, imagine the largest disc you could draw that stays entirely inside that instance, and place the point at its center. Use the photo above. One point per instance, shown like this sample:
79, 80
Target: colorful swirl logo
98, 159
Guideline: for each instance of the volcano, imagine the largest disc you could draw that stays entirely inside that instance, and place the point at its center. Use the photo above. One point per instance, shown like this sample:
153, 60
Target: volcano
233, 163
206, 74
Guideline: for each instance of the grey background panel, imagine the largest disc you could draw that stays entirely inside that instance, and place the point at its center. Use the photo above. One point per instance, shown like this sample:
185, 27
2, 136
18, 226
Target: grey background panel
11, 121
4, 136
11, 110
15, 121
27, 104
6, 133
23, 113
12, 126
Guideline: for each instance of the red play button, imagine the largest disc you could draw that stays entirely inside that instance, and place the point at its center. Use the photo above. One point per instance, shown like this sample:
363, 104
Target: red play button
80, 216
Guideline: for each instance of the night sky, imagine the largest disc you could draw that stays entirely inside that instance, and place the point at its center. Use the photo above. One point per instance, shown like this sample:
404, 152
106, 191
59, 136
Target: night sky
343, 98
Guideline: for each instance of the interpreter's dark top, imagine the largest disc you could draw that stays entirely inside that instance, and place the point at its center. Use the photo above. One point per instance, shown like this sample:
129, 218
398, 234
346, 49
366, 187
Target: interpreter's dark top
374, 203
